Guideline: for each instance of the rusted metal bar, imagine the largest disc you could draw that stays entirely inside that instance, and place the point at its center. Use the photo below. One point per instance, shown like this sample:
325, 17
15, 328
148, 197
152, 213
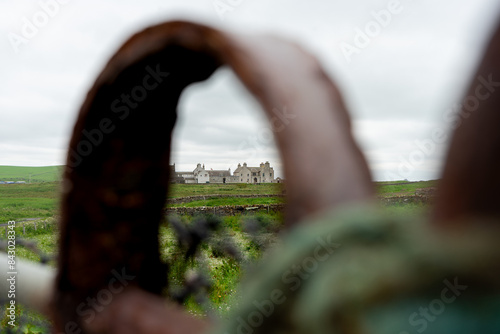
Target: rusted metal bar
118, 161
468, 190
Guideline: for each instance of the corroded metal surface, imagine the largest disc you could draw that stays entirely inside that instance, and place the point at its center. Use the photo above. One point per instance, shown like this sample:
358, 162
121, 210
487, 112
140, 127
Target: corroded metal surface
117, 179
469, 188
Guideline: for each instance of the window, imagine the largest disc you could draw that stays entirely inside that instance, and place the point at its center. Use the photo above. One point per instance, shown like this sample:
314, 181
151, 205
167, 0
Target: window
253, 174
248, 174
270, 174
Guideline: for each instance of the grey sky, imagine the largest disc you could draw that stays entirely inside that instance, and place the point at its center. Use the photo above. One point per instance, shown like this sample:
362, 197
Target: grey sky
398, 86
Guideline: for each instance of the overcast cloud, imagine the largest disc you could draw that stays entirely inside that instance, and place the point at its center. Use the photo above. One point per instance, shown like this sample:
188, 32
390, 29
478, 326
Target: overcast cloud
398, 84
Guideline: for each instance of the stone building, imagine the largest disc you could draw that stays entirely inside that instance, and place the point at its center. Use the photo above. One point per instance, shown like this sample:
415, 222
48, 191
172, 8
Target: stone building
201, 175
242, 174
262, 174
222, 176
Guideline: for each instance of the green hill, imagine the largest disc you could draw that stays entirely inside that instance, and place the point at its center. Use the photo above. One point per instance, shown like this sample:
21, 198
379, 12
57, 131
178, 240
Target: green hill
33, 174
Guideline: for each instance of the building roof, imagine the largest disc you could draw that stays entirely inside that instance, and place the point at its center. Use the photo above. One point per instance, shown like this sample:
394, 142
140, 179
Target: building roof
184, 173
252, 169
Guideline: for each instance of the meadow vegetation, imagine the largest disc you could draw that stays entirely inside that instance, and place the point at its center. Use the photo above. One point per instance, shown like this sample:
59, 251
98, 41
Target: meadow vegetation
401, 188
184, 190
41, 200
30, 174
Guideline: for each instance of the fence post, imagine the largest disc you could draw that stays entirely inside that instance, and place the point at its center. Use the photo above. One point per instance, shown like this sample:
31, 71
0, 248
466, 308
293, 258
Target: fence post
35, 226
24, 231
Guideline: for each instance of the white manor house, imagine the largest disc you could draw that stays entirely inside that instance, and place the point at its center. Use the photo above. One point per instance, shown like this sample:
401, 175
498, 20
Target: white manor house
242, 174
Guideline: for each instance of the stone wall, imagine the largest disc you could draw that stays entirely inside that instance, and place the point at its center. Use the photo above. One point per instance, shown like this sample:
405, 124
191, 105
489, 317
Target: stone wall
231, 210
406, 199
226, 210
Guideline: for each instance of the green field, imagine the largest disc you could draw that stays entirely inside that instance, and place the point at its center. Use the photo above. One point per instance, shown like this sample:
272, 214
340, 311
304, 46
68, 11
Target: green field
53, 173
41, 200
184, 190
402, 188
18, 201
30, 174
37, 190
223, 271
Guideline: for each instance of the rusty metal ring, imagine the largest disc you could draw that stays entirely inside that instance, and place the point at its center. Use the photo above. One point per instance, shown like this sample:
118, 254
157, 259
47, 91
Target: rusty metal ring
117, 175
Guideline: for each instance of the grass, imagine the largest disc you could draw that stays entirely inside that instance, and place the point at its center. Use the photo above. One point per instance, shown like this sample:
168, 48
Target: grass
411, 209
35, 174
223, 271
184, 190
52, 174
19, 201
392, 182
31, 323
45, 237
392, 189
19, 208
37, 190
